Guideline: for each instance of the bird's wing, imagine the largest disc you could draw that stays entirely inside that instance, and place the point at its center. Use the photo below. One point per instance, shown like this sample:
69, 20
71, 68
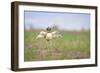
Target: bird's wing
40, 36
54, 32
43, 33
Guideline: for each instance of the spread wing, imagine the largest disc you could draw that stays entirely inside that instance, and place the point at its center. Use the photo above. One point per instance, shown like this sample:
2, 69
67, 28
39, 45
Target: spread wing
54, 32
42, 34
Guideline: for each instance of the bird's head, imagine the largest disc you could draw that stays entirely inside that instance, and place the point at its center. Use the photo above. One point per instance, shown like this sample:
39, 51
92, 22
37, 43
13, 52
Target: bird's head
48, 29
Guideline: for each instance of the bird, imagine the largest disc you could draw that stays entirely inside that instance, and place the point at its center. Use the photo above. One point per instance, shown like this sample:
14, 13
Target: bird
48, 35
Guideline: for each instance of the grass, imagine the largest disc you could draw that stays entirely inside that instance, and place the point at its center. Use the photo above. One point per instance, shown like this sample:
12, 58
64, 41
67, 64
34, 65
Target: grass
73, 45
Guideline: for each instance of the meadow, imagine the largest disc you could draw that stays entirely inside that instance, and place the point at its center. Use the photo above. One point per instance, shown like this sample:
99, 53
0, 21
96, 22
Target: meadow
72, 45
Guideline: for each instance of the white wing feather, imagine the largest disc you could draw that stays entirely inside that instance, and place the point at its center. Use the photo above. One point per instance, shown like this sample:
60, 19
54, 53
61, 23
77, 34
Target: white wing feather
41, 34
54, 32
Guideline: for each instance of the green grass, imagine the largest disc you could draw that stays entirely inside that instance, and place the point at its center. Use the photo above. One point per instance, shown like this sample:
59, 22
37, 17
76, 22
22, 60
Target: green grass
73, 45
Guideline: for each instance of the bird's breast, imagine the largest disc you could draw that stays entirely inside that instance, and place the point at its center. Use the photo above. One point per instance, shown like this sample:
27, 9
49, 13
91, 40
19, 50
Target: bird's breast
49, 36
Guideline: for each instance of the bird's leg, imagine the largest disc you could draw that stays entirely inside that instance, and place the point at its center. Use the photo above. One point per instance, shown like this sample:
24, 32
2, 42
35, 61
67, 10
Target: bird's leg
47, 44
50, 44
51, 49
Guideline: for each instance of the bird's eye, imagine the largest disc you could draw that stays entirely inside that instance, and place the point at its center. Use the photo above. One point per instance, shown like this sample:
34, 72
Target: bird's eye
48, 29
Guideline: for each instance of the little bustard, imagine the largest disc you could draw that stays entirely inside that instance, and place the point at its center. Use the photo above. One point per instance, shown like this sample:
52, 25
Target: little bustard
48, 35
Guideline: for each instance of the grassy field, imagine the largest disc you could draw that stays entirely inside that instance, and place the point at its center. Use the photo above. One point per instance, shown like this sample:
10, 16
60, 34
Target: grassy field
73, 45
